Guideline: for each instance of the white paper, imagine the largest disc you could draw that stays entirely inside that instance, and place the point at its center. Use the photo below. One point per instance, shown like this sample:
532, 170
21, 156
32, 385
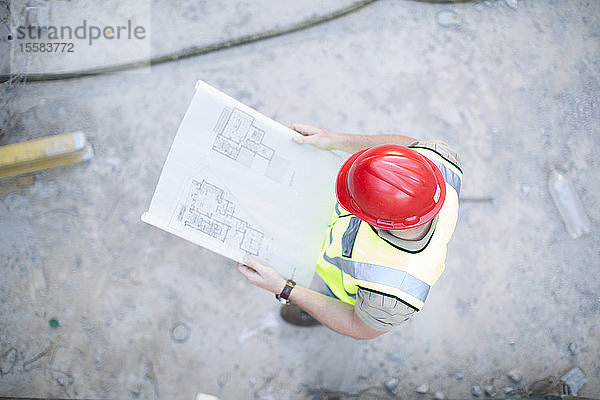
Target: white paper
235, 183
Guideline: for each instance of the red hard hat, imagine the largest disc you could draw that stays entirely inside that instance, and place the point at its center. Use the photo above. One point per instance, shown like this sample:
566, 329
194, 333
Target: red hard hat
391, 187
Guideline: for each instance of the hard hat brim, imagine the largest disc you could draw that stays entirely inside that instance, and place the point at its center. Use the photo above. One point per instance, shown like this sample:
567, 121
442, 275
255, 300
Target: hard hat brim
344, 198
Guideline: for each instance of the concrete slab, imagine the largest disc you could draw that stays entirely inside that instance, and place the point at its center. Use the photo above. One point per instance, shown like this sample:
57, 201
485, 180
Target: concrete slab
515, 90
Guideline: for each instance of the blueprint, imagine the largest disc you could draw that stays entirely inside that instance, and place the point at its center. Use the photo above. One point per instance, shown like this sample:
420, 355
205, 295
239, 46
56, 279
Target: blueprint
234, 182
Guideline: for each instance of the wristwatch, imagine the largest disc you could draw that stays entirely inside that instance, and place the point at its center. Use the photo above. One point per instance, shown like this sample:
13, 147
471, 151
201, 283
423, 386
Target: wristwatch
283, 297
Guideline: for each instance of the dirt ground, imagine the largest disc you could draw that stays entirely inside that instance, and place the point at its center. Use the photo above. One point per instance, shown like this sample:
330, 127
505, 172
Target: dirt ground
513, 86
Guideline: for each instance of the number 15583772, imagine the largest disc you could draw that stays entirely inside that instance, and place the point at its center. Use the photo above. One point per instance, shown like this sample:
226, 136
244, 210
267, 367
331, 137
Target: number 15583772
53, 47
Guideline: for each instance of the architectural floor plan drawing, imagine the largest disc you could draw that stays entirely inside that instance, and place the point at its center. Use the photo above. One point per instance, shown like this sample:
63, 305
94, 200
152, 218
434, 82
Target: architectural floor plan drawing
209, 210
240, 139
235, 183
236, 133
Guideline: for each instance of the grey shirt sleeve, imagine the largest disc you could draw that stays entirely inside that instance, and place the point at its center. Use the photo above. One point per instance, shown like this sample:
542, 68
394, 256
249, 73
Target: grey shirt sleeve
441, 148
379, 311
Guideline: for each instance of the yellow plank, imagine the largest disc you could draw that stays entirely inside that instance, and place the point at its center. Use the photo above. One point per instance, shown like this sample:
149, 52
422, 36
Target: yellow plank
47, 163
40, 149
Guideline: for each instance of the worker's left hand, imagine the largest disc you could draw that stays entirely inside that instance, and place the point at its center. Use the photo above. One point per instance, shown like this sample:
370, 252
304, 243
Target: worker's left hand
261, 275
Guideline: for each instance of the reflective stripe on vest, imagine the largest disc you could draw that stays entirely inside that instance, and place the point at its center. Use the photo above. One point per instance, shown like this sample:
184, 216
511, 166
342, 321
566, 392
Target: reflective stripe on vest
355, 256
349, 237
382, 275
450, 176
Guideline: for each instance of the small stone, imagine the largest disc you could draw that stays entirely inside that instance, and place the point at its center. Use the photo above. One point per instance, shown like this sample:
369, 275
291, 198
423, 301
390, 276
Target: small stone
490, 391
391, 384
61, 381
573, 348
515, 375
448, 18
476, 391
508, 390
459, 376
574, 379
511, 4
424, 388
439, 396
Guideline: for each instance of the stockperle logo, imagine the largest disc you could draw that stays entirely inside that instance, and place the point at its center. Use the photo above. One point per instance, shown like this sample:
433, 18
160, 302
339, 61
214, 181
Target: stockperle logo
84, 31
55, 36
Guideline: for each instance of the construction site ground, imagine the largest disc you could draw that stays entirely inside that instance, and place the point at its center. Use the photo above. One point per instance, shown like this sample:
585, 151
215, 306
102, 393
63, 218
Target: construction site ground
512, 85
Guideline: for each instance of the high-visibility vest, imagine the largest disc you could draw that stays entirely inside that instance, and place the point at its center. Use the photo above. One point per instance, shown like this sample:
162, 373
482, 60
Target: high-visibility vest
354, 255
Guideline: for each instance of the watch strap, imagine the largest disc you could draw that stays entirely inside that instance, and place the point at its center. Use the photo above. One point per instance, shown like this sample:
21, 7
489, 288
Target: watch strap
287, 289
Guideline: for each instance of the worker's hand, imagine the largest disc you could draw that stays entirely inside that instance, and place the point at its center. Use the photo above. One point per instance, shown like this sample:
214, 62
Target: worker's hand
318, 137
261, 275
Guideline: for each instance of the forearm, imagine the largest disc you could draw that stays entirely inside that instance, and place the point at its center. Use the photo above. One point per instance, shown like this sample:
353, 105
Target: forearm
352, 143
334, 314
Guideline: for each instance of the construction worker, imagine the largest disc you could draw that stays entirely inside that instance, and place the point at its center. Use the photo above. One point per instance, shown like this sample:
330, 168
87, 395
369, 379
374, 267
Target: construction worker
386, 244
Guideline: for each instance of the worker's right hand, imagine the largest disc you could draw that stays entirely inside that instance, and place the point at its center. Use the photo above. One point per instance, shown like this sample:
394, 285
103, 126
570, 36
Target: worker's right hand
318, 137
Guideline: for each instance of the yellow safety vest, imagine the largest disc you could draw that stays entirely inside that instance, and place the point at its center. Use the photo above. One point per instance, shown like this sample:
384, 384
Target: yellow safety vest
354, 255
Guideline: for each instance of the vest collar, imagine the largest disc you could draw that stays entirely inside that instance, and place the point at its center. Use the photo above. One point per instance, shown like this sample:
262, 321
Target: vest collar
412, 246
